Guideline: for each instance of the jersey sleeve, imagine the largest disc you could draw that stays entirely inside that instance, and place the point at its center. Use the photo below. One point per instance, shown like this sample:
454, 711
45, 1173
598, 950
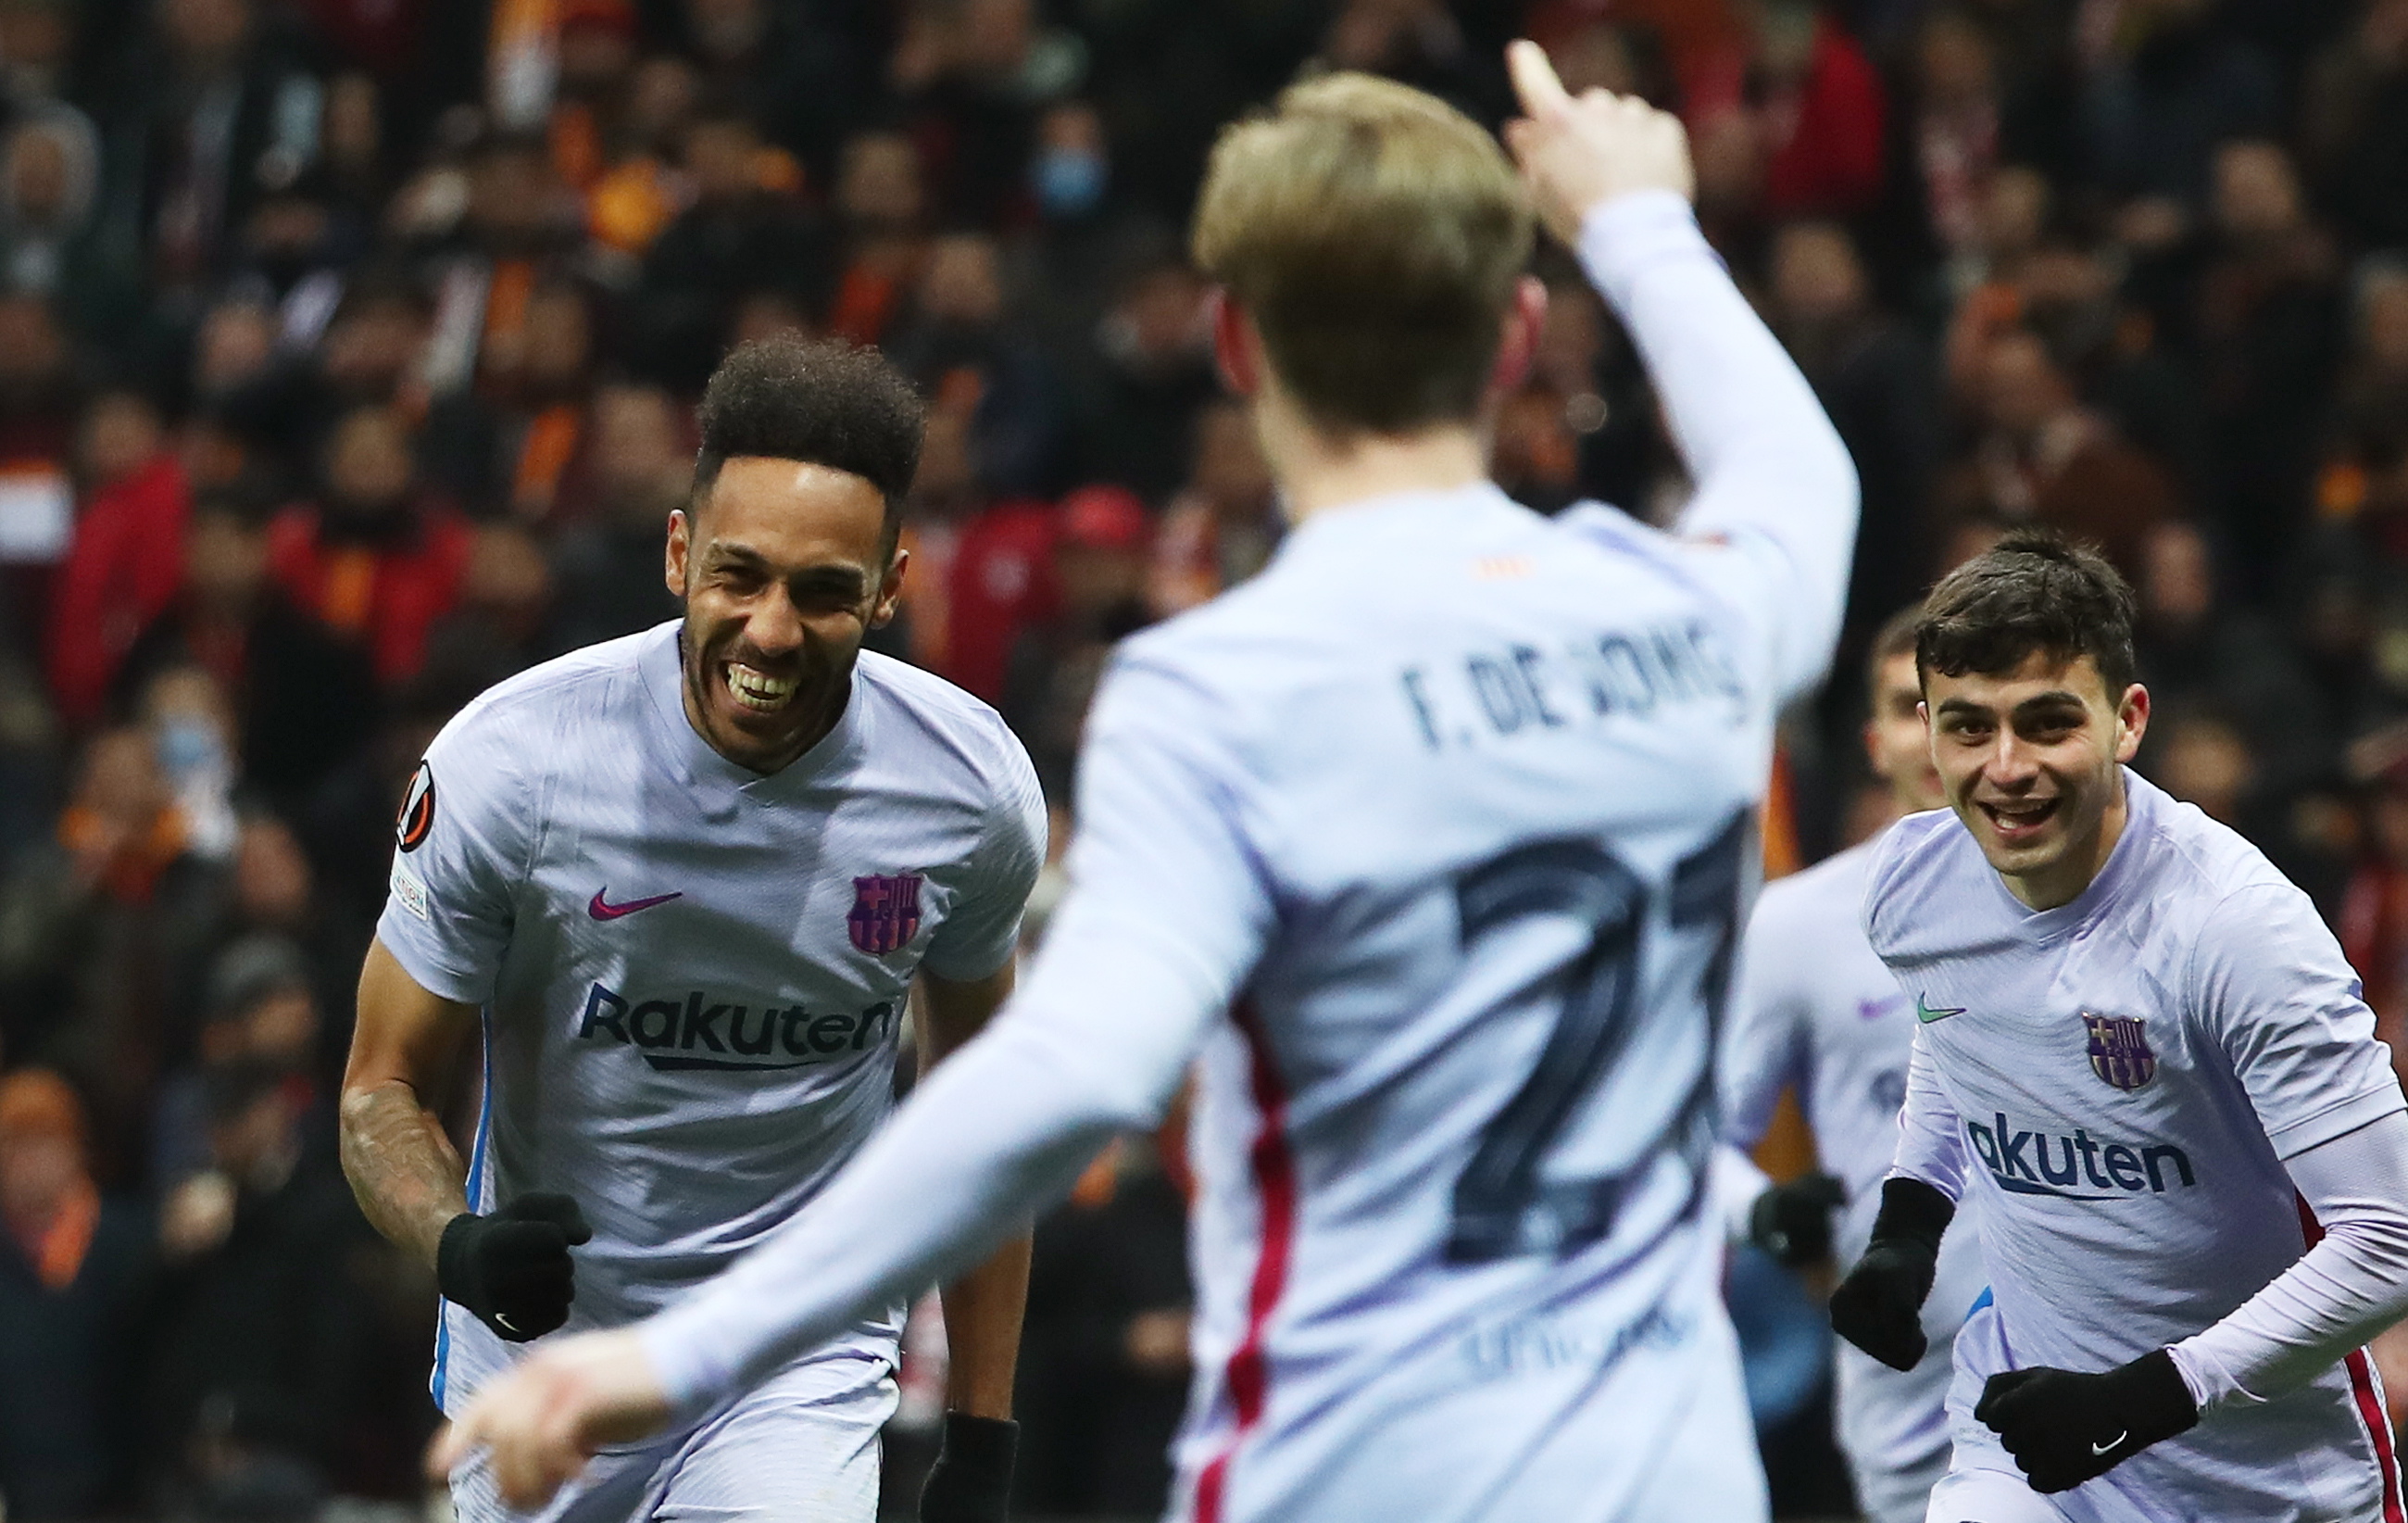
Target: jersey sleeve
2271, 986
1773, 523
2350, 1284
1167, 914
1930, 1143
983, 930
462, 848
1764, 1046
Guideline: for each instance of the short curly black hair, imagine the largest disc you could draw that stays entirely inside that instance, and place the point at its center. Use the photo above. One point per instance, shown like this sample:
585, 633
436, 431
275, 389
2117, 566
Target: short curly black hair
825, 403
2035, 590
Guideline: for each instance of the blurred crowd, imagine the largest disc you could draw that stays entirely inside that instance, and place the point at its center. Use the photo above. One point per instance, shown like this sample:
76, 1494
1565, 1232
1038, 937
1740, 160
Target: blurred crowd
346, 354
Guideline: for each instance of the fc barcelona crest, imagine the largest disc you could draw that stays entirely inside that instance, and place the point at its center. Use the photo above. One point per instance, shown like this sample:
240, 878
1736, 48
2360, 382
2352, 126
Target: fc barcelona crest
2119, 1050
885, 911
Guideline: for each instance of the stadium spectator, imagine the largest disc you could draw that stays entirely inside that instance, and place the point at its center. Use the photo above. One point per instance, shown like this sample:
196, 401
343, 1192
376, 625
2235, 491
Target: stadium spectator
1101, 557
1149, 370
72, 1274
303, 700
606, 568
103, 934
128, 553
253, 1369
1875, 377
1223, 526
745, 231
372, 558
2041, 454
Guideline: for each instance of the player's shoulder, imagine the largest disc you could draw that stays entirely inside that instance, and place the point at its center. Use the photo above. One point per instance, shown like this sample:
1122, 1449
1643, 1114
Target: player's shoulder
945, 724
1623, 540
1824, 894
1915, 859
1255, 638
2196, 871
581, 687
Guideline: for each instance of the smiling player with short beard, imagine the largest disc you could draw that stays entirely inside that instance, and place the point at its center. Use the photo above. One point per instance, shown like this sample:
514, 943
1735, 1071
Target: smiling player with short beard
2143, 1052
685, 883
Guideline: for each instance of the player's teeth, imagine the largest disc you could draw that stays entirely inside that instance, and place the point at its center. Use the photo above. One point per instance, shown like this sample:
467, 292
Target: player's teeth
758, 689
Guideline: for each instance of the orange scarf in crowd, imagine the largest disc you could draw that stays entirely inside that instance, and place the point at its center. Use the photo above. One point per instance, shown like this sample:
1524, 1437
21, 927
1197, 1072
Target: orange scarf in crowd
134, 871
57, 1248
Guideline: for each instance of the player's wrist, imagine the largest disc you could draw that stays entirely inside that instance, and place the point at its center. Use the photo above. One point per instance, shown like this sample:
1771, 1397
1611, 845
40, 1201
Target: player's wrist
971, 1480
1624, 228
1913, 1212
456, 1279
2151, 1393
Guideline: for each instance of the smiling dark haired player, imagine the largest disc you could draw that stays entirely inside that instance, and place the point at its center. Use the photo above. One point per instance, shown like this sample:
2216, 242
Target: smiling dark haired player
2143, 1052
683, 883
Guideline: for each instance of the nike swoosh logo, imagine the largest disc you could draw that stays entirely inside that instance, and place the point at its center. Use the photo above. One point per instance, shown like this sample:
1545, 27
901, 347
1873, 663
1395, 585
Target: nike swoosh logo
2099, 1449
1927, 1014
602, 909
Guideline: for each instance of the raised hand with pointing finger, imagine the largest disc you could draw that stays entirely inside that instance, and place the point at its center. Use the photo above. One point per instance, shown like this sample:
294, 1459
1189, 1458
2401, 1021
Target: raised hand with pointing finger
1579, 153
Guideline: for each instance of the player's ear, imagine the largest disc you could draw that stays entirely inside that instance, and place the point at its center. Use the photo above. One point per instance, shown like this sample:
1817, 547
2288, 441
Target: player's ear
673, 555
1237, 348
890, 590
1517, 347
2131, 722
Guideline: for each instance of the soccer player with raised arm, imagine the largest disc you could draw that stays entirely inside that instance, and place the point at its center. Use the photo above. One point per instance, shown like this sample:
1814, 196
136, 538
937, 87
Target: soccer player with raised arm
1426, 845
679, 887
1813, 1007
2143, 1052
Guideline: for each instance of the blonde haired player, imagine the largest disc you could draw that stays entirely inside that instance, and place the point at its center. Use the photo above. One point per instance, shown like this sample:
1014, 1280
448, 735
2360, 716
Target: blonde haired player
1426, 846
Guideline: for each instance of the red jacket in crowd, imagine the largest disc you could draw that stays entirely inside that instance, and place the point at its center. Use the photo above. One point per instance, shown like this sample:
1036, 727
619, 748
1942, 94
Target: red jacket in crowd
387, 597
120, 573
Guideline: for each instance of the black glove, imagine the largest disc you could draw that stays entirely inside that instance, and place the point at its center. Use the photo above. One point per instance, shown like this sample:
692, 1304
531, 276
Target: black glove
1792, 1221
2064, 1429
971, 1478
1879, 1306
511, 1269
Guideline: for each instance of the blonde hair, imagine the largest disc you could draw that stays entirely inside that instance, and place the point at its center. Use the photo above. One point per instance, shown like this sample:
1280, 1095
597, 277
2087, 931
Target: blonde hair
1374, 234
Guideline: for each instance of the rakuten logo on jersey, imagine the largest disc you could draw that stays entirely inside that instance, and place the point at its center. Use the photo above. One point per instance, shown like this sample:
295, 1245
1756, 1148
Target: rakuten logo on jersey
699, 1031
2076, 1168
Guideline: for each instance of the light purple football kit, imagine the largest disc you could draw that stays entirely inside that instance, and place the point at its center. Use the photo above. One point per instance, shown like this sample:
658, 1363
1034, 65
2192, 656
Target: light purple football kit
2136, 1087
694, 976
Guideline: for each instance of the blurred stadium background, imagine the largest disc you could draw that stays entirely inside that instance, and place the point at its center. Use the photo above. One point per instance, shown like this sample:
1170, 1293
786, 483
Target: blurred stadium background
346, 348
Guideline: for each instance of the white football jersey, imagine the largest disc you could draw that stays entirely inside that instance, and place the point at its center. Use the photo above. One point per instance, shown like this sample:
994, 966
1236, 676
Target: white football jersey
2118, 1081
1814, 1008
693, 976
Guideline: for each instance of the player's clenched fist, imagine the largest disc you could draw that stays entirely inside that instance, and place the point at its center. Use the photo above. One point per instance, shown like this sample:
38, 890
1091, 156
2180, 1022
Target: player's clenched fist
545, 1418
1879, 1306
1579, 154
511, 1269
2064, 1429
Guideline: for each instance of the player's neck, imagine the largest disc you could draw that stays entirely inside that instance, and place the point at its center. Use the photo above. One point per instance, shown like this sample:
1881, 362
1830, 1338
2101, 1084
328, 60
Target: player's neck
1317, 472
2070, 876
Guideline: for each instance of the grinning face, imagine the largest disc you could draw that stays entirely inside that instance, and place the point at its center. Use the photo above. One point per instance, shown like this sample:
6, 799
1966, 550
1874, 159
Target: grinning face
1896, 742
783, 568
2029, 759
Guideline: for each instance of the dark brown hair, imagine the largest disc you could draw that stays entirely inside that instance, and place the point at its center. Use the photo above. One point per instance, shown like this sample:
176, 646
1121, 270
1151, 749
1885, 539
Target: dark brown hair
2035, 590
1894, 639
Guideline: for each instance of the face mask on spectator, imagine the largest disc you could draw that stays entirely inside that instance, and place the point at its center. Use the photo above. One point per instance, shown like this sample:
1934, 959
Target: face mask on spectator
1069, 181
190, 748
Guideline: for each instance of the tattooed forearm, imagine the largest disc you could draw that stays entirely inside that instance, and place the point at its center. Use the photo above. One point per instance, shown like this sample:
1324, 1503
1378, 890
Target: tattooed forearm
407, 1174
